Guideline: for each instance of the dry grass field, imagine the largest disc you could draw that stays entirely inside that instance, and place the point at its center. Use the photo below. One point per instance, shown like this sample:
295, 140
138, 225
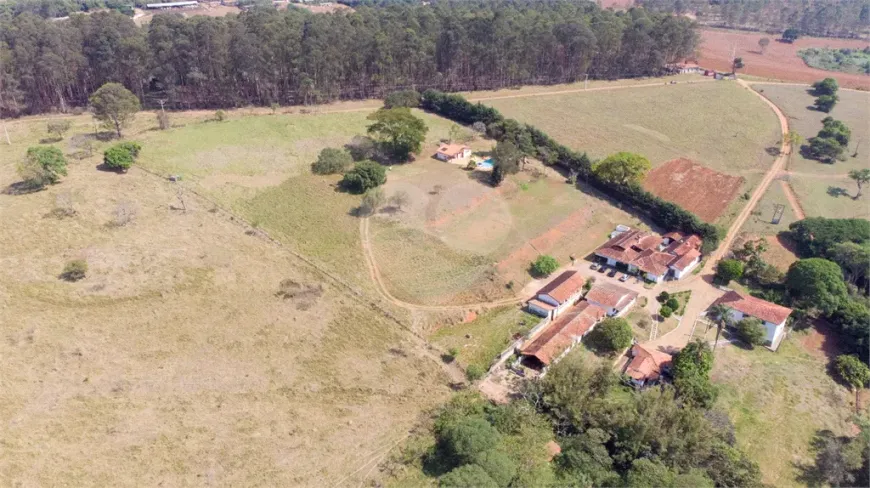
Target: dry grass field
824, 190
466, 241
778, 401
717, 124
173, 362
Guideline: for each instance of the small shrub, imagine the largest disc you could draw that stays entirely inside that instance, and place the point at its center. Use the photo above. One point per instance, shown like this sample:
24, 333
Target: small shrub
510, 285
43, 165
474, 372
728, 270
63, 206
666, 311
453, 352
402, 98
220, 116
125, 212
372, 201
672, 303
544, 265
58, 128
163, 120
751, 331
331, 161
74, 270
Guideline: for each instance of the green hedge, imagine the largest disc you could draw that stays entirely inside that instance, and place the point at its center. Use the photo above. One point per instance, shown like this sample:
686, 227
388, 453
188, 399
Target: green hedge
537, 144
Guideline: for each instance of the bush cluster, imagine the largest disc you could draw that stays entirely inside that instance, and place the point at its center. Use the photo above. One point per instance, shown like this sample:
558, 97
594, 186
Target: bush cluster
122, 155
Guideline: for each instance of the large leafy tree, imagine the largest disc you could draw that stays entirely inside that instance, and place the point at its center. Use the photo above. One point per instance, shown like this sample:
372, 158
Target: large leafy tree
467, 476
828, 86
853, 258
861, 177
825, 149
43, 165
815, 235
622, 168
817, 283
331, 161
612, 334
507, 156
691, 368
853, 371
398, 130
114, 106
728, 270
364, 176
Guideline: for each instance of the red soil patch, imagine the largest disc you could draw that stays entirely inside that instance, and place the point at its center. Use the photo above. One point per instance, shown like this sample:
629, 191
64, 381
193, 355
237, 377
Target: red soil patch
821, 341
546, 241
779, 61
700, 190
471, 316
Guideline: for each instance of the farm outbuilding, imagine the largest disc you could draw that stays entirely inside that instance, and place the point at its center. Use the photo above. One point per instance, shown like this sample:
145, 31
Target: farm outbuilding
188, 4
452, 152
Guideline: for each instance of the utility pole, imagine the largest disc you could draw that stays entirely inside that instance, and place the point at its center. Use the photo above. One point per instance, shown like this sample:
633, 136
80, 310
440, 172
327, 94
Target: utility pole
161, 102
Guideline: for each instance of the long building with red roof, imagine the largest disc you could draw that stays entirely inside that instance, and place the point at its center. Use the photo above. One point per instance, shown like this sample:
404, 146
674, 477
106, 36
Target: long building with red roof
655, 258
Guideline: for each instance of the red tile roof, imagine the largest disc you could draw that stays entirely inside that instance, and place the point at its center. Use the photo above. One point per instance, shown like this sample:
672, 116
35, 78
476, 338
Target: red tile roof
540, 304
646, 364
451, 150
640, 249
611, 295
686, 260
755, 307
558, 336
653, 262
563, 286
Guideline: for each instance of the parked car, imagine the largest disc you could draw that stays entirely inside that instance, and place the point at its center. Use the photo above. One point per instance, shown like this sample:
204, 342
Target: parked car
612, 272
602, 269
623, 278
594, 266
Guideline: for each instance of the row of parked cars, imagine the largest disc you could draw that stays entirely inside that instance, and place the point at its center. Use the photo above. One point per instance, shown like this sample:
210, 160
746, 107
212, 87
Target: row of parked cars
602, 268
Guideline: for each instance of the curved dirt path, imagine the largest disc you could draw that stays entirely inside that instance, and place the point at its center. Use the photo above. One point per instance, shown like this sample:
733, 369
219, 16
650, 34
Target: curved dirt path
792, 200
704, 293
375, 274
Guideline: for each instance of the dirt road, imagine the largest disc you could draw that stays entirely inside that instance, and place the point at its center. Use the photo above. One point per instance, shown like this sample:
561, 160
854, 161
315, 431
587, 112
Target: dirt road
701, 286
792, 200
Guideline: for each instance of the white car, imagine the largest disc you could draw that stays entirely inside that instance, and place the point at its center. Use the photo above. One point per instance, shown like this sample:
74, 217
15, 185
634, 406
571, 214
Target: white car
623, 278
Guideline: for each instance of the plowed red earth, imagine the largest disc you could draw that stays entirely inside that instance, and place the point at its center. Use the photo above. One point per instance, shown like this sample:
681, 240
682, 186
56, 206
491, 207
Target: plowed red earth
779, 61
698, 189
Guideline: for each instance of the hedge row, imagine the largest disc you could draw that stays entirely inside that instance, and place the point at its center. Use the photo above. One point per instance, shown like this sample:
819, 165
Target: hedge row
537, 144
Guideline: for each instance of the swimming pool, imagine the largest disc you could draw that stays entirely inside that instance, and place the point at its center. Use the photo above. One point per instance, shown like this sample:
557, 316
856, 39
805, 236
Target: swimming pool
485, 164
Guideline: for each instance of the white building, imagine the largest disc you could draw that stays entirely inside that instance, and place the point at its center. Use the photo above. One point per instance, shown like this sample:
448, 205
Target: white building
773, 316
452, 152
614, 299
650, 256
565, 290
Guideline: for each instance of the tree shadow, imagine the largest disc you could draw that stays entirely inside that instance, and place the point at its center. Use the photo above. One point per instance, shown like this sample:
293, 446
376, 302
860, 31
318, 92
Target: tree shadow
837, 191
829, 461
107, 169
772, 150
50, 140
437, 461
22, 188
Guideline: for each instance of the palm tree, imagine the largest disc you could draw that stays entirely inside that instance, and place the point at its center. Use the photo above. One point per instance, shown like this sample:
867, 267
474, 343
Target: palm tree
720, 315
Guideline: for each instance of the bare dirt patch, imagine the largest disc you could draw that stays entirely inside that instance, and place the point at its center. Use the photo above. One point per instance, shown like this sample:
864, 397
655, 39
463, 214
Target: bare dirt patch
779, 61
546, 241
696, 188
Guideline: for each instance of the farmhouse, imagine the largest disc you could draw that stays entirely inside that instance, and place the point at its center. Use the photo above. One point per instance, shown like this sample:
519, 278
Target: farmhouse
614, 299
555, 340
451, 152
558, 295
647, 365
685, 68
655, 258
166, 5
773, 316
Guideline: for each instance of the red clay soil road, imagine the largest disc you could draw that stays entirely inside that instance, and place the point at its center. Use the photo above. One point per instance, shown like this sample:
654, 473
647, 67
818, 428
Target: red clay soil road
793, 201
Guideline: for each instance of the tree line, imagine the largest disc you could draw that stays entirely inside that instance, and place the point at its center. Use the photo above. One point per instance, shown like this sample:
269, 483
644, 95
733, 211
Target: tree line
824, 18
607, 433
264, 56
535, 143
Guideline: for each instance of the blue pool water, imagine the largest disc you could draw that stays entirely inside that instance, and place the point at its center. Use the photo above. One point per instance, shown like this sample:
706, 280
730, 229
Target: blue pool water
485, 164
